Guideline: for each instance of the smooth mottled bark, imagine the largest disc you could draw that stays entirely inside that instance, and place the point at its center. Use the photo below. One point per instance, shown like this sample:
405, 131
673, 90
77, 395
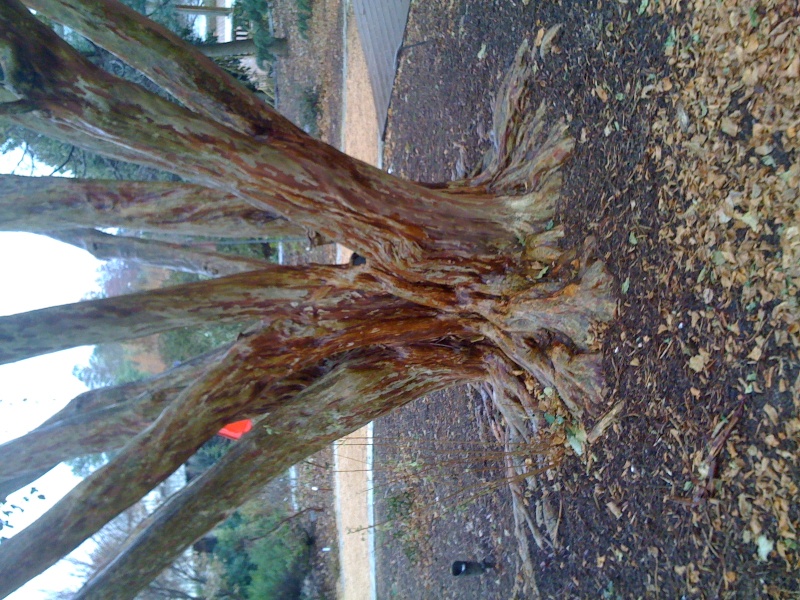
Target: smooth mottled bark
42, 204
167, 255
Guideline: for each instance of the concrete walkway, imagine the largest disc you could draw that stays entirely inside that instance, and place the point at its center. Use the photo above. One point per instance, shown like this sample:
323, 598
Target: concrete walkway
381, 24
373, 34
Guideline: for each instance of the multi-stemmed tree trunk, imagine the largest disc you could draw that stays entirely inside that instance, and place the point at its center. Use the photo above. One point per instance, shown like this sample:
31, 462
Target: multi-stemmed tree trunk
464, 281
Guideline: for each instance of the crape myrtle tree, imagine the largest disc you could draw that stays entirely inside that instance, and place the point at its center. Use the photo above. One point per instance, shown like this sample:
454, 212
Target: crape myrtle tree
464, 281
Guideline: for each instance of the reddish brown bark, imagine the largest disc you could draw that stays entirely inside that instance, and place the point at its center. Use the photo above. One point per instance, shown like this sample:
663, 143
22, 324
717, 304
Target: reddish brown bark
360, 387
456, 273
244, 380
417, 233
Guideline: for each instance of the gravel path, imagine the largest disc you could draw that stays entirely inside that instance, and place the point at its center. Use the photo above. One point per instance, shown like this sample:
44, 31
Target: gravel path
359, 139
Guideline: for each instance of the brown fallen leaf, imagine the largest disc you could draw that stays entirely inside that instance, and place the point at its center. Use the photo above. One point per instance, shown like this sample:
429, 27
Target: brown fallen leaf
548, 39
698, 362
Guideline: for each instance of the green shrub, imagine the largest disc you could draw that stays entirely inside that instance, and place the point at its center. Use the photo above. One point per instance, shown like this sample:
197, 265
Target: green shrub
281, 563
262, 557
309, 111
304, 9
179, 345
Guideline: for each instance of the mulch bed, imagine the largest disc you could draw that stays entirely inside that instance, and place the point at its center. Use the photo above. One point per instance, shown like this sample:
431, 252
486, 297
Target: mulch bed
693, 490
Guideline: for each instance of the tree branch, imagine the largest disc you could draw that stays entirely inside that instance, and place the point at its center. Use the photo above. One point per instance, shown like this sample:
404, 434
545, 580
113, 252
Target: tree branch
427, 234
355, 390
172, 63
239, 382
16, 107
80, 103
156, 253
264, 294
41, 204
95, 421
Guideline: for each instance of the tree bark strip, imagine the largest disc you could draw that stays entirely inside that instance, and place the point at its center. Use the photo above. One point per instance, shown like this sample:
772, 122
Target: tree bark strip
352, 393
159, 254
41, 204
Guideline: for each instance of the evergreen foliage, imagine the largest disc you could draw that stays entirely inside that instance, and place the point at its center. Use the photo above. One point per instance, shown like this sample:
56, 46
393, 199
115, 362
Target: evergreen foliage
262, 557
254, 15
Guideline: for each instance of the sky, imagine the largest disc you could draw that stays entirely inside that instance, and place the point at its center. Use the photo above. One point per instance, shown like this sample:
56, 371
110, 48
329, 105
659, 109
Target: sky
37, 272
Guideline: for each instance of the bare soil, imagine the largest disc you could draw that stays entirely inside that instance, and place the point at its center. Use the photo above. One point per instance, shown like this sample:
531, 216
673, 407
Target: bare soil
313, 67
439, 498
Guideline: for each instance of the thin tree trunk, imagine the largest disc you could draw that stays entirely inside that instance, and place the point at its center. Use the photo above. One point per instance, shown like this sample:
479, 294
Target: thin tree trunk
357, 390
276, 47
241, 381
95, 421
195, 80
235, 48
265, 295
42, 204
211, 11
159, 254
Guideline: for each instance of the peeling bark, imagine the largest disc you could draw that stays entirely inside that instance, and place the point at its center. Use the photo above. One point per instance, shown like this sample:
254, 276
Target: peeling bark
362, 386
195, 80
258, 295
241, 381
418, 233
463, 280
